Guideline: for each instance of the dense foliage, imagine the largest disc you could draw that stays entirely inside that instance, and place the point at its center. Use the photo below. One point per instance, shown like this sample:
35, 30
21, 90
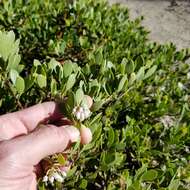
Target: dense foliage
141, 117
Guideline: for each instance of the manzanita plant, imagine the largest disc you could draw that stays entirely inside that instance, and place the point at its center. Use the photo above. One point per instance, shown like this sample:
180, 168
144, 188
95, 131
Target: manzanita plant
76, 108
63, 50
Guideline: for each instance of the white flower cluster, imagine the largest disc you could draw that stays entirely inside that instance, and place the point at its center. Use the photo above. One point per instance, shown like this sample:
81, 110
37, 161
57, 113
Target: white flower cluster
81, 112
54, 176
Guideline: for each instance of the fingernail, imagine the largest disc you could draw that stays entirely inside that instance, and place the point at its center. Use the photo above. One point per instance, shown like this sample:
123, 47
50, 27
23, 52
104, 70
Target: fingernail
89, 101
73, 132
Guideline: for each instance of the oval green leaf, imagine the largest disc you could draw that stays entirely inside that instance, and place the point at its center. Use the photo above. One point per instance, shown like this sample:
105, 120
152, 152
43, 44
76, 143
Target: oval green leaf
150, 175
20, 85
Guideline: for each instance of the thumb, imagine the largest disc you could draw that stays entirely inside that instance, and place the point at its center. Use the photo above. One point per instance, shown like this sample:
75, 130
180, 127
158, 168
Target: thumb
43, 142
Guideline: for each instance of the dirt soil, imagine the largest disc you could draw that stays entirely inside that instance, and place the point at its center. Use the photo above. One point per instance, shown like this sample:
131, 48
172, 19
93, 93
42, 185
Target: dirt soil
165, 23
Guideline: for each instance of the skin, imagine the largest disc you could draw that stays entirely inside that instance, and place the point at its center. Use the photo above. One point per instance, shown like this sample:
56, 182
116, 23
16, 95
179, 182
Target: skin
23, 145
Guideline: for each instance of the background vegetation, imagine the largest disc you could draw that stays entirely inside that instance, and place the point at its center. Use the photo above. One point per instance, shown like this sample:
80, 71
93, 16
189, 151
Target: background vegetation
141, 115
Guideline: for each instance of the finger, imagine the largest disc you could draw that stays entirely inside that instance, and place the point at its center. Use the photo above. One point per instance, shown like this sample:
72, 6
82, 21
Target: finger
24, 121
39, 113
43, 142
86, 135
89, 101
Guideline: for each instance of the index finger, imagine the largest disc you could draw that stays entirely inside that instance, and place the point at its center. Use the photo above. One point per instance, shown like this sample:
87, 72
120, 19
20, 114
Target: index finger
40, 113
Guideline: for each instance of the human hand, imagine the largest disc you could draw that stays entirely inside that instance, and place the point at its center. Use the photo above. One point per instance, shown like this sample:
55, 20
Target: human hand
23, 145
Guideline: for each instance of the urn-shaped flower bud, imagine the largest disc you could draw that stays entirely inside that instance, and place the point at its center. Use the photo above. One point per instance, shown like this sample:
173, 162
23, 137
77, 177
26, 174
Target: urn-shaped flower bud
51, 179
81, 112
58, 177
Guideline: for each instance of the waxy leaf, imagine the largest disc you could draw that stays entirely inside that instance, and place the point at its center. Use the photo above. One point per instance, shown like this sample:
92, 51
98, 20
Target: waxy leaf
20, 85
41, 80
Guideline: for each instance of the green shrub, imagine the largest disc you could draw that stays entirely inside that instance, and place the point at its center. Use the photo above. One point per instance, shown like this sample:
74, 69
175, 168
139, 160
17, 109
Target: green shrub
141, 115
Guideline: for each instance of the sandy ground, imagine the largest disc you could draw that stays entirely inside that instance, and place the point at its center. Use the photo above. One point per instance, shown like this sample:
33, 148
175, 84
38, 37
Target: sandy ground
166, 24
